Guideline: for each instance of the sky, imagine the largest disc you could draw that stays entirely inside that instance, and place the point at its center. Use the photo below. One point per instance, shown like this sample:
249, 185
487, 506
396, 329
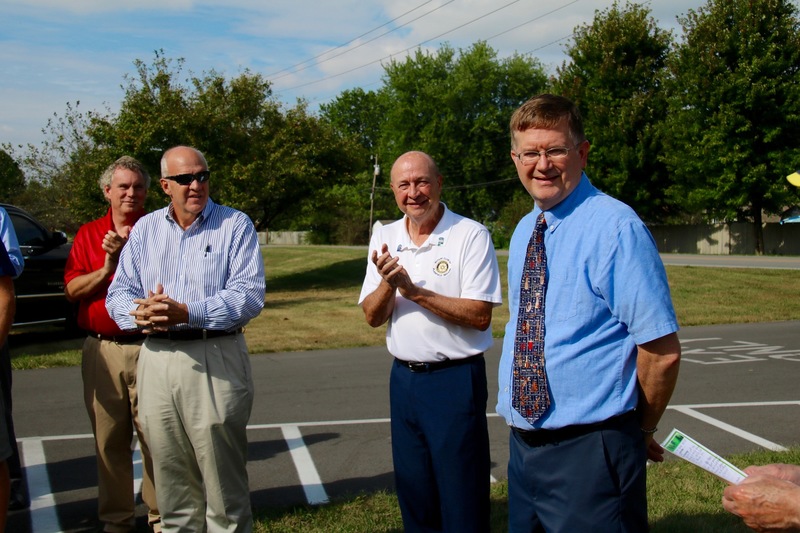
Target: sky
59, 52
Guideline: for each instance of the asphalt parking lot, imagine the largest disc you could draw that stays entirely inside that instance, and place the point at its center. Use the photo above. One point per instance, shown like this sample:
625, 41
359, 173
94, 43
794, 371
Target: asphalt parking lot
319, 430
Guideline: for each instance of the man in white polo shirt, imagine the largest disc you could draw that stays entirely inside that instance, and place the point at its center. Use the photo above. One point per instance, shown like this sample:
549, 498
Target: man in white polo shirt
433, 275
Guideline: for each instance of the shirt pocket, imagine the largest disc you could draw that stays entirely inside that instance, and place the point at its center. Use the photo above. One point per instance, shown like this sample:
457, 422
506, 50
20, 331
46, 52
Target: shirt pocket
563, 296
208, 269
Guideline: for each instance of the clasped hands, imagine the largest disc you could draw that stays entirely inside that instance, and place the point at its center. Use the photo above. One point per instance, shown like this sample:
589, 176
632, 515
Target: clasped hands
392, 271
158, 311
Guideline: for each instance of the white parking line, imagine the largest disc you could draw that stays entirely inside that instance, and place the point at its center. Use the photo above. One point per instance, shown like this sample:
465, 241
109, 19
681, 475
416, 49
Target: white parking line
306, 469
43, 505
137, 467
690, 410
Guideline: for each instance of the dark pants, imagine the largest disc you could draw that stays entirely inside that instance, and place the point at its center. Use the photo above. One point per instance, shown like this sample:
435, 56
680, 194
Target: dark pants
591, 482
14, 466
440, 447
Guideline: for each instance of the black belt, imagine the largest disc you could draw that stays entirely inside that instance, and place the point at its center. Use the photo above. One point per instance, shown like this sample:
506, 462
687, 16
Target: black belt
119, 339
540, 437
192, 334
417, 366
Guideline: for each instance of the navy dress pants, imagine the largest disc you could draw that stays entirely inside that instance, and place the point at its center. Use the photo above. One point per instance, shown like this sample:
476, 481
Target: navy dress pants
592, 482
440, 447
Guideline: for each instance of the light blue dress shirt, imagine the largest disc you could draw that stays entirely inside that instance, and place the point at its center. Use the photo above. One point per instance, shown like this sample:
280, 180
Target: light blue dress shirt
607, 292
214, 266
9, 238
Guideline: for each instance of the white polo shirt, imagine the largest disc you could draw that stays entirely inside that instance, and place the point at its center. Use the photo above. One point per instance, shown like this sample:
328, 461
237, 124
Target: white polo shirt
457, 260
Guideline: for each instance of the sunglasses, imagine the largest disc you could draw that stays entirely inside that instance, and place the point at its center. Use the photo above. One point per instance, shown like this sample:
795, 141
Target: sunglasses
187, 179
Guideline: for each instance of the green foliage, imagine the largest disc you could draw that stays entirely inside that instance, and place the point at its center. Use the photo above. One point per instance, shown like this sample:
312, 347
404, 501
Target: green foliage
265, 160
357, 113
56, 171
12, 179
520, 205
359, 116
734, 109
456, 108
339, 214
615, 76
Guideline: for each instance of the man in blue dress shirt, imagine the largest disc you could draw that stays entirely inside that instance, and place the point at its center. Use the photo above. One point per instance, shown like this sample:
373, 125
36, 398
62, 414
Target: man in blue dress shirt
19, 498
191, 276
10, 267
611, 350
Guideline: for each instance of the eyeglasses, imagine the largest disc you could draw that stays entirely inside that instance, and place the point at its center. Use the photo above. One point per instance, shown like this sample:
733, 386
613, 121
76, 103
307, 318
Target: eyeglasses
557, 153
187, 179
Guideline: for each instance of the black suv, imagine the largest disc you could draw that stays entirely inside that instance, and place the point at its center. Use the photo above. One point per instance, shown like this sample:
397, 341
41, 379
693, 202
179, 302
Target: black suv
40, 287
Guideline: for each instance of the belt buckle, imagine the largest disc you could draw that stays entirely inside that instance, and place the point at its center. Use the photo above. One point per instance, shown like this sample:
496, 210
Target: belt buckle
418, 366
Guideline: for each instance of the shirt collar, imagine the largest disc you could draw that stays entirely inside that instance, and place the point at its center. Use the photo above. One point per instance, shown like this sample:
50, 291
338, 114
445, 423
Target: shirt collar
204, 214
438, 236
558, 213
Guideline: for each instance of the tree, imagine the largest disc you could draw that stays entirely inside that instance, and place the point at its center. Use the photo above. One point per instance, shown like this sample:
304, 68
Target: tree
734, 110
12, 179
265, 160
359, 114
615, 76
53, 169
456, 107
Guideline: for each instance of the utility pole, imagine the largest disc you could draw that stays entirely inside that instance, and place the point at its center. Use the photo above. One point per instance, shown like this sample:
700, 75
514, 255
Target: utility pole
376, 171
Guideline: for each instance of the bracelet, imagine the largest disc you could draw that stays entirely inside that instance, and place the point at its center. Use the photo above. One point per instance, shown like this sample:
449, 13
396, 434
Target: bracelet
649, 431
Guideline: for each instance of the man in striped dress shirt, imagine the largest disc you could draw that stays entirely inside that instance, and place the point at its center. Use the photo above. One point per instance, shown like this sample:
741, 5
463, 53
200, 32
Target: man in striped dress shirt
190, 277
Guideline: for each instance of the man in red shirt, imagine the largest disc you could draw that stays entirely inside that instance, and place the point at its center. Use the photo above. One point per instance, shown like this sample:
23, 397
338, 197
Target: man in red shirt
110, 355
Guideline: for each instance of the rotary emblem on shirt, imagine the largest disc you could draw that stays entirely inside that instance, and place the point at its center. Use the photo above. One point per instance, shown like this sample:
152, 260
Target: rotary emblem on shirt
441, 267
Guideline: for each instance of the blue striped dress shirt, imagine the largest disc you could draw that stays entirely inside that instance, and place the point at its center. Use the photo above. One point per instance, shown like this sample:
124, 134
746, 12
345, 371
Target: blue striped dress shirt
214, 266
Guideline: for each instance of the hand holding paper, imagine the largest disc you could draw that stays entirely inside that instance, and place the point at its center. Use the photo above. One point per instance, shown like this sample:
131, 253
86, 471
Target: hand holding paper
689, 449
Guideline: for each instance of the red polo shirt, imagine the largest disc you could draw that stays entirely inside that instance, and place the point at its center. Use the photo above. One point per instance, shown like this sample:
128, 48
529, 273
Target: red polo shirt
86, 256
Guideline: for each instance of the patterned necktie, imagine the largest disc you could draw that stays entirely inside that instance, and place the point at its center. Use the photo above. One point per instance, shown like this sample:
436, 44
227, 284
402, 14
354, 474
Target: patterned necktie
530, 396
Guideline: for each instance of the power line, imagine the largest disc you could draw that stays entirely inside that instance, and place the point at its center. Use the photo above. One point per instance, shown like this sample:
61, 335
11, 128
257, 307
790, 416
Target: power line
365, 42
348, 42
487, 39
398, 53
532, 20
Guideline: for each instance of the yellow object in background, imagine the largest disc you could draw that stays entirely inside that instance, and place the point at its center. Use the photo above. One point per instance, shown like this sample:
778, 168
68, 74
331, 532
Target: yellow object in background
794, 178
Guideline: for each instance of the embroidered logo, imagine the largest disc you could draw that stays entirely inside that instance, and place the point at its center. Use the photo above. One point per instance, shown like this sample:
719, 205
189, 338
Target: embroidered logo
441, 267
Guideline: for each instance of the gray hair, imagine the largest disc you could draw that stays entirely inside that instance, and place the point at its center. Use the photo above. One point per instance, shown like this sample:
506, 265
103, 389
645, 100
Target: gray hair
127, 162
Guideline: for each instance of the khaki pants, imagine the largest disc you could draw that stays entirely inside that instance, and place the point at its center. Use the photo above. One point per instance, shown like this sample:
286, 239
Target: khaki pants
196, 398
109, 392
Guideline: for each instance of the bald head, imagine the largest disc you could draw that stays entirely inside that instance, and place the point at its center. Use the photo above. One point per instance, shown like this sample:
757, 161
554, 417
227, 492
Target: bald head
417, 159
